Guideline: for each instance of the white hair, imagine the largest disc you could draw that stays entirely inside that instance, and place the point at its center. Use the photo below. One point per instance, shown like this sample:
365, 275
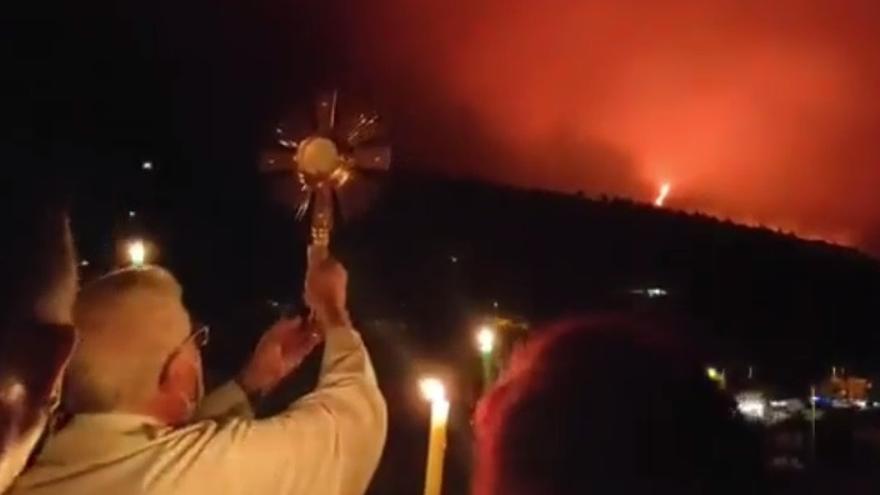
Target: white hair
129, 322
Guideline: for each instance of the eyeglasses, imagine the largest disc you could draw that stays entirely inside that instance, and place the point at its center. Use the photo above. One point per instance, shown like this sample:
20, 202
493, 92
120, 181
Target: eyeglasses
200, 337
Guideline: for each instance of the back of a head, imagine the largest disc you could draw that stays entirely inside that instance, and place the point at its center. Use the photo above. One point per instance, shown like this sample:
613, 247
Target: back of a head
37, 287
36, 255
610, 406
129, 322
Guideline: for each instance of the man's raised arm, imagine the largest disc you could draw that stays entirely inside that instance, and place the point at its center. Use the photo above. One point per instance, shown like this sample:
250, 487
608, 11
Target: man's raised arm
329, 441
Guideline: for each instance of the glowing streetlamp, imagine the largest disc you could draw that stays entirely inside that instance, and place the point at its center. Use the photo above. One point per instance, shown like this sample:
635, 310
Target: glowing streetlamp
813, 399
486, 346
435, 392
137, 253
717, 376
712, 373
486, 340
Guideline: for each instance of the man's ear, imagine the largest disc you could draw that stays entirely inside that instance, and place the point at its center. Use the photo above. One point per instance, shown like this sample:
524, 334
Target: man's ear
178, 387
179, 377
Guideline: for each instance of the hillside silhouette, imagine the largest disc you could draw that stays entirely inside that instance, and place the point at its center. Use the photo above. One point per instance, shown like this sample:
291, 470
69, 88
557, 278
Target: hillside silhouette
432, 257
438, 253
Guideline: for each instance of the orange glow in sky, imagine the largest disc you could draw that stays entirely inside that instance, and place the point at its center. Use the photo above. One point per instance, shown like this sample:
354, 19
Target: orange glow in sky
764, 112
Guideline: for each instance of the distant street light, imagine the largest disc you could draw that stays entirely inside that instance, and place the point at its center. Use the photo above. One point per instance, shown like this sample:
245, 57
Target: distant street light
712, 373
651, 292
148, 165
813, 399
486, 339
486, 336
717, 376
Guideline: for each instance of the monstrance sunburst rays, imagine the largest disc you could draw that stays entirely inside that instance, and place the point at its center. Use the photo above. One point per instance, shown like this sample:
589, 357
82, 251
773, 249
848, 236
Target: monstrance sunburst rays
343, 144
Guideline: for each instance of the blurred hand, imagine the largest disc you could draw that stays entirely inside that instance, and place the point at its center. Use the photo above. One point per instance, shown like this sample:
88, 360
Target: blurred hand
325, 287
280, 351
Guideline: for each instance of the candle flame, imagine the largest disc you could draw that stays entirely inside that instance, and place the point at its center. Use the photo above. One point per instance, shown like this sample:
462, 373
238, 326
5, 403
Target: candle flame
486, 339
665, 188
137, 252
433, 389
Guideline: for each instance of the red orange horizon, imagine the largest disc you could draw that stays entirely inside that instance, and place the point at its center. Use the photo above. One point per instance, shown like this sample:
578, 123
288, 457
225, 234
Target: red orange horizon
764, 112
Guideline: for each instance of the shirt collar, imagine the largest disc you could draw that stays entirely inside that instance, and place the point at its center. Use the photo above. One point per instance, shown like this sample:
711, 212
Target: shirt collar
114, 421
90, 436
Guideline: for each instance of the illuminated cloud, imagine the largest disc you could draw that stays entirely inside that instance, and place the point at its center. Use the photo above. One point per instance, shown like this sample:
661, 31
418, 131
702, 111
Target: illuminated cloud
766, 112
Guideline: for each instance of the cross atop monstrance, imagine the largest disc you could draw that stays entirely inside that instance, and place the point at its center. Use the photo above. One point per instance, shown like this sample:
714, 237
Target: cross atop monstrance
341, 145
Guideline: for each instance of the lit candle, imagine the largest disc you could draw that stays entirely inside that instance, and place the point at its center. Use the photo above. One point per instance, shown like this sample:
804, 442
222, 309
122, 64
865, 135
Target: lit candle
435, 392
137, 253
486, 345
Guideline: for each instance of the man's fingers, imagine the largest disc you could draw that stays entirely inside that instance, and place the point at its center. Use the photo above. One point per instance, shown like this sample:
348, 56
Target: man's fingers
317, 255
302, 345
296, 348
321, 261
302, 335
284, 327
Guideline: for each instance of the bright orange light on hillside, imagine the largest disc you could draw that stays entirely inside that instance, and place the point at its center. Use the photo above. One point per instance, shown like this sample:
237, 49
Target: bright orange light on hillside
665, 188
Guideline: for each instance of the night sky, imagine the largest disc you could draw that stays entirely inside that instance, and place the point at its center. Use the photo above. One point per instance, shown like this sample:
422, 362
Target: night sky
764, 112
767, 112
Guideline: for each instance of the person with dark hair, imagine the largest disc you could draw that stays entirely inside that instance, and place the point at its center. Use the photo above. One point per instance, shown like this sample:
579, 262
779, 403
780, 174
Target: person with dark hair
610, 405
37, 288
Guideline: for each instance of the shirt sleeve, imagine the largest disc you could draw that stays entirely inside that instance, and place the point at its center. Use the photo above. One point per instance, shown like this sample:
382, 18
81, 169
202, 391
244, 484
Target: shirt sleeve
225, 401
328, 442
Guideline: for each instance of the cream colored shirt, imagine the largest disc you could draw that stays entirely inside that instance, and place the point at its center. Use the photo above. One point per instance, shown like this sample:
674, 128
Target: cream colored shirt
328, 442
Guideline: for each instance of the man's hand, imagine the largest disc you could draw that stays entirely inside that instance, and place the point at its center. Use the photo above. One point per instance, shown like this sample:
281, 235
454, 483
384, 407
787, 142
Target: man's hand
280, 351
325, 287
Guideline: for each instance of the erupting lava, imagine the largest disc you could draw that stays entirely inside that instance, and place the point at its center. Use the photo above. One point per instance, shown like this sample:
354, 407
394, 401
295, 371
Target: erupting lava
664, 192
764, 113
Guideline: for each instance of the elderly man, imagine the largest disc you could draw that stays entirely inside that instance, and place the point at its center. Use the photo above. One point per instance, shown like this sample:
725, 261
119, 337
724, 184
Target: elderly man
135, 381
37, 289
